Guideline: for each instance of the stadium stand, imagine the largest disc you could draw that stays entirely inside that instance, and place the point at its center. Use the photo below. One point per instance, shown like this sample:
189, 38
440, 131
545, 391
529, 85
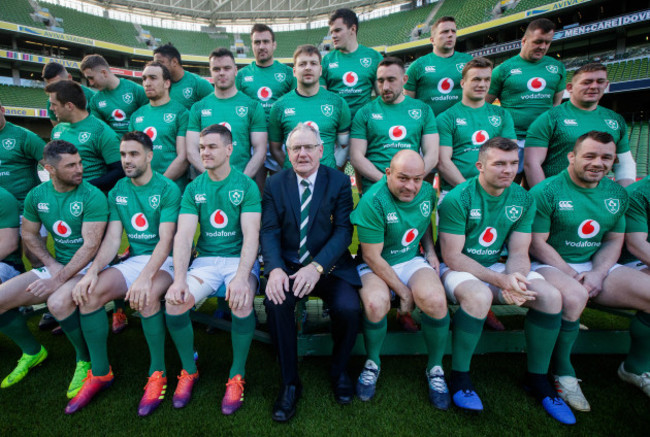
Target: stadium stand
524, 5
466, 13
18, 11
393, 29
23, 96
191, 43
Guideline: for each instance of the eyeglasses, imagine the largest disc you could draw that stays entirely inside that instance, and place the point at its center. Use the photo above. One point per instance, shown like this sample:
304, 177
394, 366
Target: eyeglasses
307, 147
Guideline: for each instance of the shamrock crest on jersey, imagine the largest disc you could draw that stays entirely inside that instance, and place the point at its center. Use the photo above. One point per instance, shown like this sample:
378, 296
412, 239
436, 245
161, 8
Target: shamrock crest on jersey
139, 222
425, 208
588, 229
169, 117
236, 196
613, 124
536, 84
445, 85
513, 212
487, 237
327, 110
415, 114
9, 143
61, 228
84, 136
154, 201
128, 98
280, 77
187, 92
241, 111
219, 219
365, 62
612, 205
495, 120
409, 236
76, 208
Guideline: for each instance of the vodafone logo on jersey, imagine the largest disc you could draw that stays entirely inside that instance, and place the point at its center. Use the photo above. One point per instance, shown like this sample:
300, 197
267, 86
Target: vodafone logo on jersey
264, 93
118, 115
350, 78
409, 236
445, 85
312, 124
479, 137
219, 219
151, 132
488, 237
62, 229
139, 222
226, 124
397, 133
588, 228
536, 84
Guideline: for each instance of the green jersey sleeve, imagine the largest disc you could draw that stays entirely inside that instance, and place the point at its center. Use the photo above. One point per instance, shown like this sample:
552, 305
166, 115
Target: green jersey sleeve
183, 118
113, 215
544, 210
496, 84
453, 215
204, 88
370, 226
109, 144
170, 204
96, 207
636, 217
345, 119
275, 124
360, 125
624, 143
561, 84
10, 212
430, 123
188, 206
525, 223
252, 200
29, 209
194, 120
413, 74
540, 132
446, 129
34, 146
508, 128
258, 119
140, 96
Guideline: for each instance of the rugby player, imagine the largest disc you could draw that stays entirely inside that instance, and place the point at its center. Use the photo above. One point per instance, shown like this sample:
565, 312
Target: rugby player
187, 88
75, 213
144, 204
165, 121
243, 116
435, 78
10, 263
392, 219
477, 218
553, 134
395, 122
529, 83
578, 234
311, 104
116, 98
54, 72
227, 206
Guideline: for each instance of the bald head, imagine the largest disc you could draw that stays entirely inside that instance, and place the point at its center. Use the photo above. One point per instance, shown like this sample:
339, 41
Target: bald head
405, 175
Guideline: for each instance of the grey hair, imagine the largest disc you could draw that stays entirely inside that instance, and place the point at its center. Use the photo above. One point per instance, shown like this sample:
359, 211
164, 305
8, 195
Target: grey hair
304, 127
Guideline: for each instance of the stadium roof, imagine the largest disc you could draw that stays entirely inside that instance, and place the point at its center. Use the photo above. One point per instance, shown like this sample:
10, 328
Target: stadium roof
216, 11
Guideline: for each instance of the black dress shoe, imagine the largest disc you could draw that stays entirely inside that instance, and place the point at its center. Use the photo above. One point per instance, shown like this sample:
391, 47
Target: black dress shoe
285, 405
343, 389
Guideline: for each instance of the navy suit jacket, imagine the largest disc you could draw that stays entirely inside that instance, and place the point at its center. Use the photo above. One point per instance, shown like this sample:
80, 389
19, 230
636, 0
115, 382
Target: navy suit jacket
329, 231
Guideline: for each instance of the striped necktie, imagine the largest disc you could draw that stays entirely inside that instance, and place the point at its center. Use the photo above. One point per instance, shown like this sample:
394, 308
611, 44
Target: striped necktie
305, 200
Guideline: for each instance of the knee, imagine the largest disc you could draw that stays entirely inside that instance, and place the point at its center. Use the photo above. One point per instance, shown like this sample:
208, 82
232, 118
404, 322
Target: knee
575, 298
60, 306
433, 302
376, 308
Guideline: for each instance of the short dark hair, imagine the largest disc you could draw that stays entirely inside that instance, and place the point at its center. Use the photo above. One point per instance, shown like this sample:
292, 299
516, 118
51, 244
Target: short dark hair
225, 133
307, 49
54, 149
497, 143
543, 24
601, 137
68, 91
445, 19
93, 61
53, 69
259, 28
478, 62
168, 51
347, 15
220, 52
590, 68
391, 60
165, 72
139, 137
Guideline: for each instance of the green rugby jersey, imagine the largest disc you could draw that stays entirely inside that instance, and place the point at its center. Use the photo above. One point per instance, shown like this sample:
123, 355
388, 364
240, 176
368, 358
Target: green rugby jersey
116, 106
526, 89
10, 218
162, 124
325, 111
97, 143
240, 114
465, 129
265, 84
391, 128
219, 205
436, 80
351, 75
87, 92
142, 209
190, 89
382, 218
486, 221
20, 152
559, 128
577, 218
63, 214
636, 217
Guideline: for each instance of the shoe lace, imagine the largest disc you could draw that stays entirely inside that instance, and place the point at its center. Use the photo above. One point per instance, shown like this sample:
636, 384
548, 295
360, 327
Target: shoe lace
438, 383
155, 386
234, 388
81, 370
369, 376
557, 401
468, 393
184, 379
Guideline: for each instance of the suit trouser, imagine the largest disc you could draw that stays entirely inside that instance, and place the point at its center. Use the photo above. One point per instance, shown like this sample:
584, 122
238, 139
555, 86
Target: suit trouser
345, 313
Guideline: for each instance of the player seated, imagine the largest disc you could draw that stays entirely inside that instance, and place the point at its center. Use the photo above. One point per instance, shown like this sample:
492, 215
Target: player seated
477, 218
392, 219
578, 234
74, 213
228, 207
10, 260
144, 204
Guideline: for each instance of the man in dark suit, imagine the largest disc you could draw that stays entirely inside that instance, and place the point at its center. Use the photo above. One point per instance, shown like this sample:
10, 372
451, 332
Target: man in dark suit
306, 232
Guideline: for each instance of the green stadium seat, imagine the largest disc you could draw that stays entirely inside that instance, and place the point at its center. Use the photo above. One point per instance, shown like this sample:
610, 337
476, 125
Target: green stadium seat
17, 11
25, 97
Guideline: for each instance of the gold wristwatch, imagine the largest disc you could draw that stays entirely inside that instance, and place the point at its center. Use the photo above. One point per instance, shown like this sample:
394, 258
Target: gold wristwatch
319, 268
